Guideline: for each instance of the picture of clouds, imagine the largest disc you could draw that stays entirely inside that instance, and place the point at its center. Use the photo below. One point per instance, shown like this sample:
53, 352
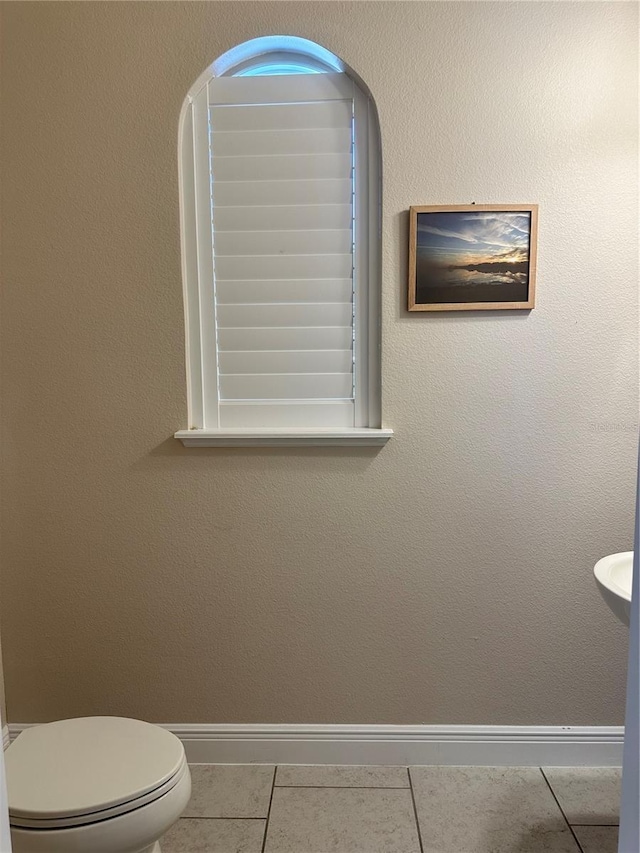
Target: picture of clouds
472, 255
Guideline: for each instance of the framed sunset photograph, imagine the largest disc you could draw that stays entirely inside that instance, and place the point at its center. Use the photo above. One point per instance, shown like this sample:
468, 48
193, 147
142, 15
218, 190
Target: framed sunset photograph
472, 257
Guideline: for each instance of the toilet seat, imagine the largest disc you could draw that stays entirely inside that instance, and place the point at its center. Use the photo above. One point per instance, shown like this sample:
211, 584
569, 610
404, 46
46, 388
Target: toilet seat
90, 769
103, 814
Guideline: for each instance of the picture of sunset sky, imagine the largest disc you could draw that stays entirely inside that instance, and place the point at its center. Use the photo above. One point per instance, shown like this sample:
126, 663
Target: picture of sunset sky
469, 256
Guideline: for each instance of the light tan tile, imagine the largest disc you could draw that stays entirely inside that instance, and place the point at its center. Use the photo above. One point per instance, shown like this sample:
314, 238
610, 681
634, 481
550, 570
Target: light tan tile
200, 835
587, 795
230, 790
342, 820
597, 839
488, 810
343, 776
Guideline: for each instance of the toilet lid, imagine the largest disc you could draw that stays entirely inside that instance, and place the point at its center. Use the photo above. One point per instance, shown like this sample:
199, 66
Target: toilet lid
85, 765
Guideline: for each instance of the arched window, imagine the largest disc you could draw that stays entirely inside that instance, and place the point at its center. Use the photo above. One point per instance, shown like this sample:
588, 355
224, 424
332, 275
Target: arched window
279, 158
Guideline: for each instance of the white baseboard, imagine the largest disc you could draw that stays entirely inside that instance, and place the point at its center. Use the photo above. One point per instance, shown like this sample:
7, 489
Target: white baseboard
6, 738
570, 746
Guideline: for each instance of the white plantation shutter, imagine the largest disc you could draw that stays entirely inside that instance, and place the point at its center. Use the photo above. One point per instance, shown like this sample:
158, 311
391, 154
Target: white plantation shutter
282, 159
280, 204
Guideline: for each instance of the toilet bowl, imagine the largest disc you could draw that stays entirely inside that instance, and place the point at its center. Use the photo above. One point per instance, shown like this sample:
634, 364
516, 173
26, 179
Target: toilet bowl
95, 785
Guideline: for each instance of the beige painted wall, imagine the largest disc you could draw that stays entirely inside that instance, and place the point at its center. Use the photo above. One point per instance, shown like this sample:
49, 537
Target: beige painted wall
445, 578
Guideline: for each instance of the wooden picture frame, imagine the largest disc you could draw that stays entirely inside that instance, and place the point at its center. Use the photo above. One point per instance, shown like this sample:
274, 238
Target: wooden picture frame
478, 257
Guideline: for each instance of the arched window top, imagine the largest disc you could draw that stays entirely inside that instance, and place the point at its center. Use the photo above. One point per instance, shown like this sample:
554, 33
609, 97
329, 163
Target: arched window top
276, 55
278, 64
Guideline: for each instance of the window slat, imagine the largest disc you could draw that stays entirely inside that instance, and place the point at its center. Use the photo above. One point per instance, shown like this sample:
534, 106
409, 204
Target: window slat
280, 316
288, 168
245, 243
311, 290
284, 266
312, 413
330, 140
282, 116
282, 217
286, 386
340, 337
295, 361
282, 88
238, 193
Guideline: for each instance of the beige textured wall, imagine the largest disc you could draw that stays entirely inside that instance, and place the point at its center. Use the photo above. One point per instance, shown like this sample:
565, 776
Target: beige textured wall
445, 578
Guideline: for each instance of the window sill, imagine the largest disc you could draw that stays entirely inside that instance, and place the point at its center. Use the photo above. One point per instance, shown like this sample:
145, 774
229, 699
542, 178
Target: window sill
284, 437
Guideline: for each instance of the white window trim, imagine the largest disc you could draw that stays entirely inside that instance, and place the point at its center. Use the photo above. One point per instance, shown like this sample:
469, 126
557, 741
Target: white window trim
197, 275
279, 437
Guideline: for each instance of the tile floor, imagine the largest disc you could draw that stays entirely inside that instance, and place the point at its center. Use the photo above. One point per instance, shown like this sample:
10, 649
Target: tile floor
257, 808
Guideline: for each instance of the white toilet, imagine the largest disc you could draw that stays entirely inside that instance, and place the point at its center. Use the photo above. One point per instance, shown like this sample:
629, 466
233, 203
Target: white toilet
95, 785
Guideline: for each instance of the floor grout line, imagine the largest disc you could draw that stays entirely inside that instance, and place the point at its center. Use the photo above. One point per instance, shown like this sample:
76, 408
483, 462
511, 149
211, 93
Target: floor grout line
266, 823
216, 817
415, 811
553, 794
352, 787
